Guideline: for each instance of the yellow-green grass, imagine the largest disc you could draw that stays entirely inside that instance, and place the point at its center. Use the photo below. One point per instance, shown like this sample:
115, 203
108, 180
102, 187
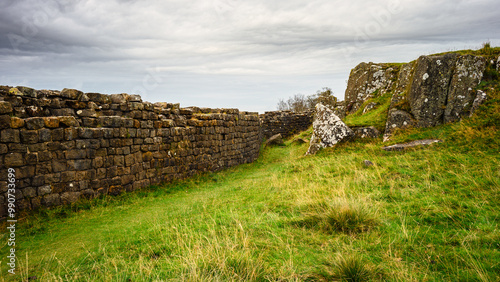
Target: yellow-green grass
376, 117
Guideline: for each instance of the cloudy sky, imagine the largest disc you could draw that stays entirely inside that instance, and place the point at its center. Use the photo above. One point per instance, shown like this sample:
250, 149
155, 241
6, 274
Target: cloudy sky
226, 53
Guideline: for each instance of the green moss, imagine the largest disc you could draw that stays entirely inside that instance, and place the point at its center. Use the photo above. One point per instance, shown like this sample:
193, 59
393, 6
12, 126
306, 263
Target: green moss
376, 117
403, 105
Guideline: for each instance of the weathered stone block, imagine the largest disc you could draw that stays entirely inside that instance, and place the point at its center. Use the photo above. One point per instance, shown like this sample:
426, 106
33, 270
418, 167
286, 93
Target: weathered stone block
38, 180
480, 98
25, 172
119, 160
59, 165
69, 197
10, 136
67, 176
68, 121
3, 149
275, 140
428, 93
57, 134
99, 98
29, 136
29, 192
71, 93
5, 108
14, 160
86, 113
34, 123
51, 122
51, 200
31, 158
89, 122
5, 121
65, 112
88, 193
45, 135
118, 98
70, 133
366, 132
36, 203
398, 119
16, 147
80, 164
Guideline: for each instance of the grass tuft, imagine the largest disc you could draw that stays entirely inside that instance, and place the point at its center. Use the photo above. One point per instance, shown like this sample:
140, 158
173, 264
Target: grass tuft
351, 268
340, 216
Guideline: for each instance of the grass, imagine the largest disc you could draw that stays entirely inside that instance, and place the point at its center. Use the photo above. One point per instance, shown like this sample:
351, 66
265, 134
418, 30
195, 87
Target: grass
376, 117
486, 50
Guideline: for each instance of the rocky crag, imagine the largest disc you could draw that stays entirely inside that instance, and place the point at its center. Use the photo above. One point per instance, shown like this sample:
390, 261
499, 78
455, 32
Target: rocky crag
430, 91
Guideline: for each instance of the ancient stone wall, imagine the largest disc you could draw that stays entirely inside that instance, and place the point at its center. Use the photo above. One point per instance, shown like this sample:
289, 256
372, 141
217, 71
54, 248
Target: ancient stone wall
66, 145
286, 123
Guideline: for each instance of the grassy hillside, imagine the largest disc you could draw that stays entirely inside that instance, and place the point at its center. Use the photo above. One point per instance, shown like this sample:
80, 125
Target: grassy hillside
429, 214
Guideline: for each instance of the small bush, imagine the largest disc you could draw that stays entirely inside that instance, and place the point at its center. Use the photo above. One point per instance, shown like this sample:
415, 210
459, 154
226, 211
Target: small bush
340, 216
490, 73
349, 219
351, 268
486, 50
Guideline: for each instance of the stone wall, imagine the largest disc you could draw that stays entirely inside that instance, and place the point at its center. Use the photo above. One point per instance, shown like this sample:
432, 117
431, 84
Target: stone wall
68, 144
287, 123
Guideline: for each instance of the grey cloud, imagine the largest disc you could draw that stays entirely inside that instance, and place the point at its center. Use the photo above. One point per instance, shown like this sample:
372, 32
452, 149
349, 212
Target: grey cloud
200, 46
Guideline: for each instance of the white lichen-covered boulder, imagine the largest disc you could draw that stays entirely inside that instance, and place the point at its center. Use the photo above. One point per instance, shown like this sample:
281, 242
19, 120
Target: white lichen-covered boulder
328, 130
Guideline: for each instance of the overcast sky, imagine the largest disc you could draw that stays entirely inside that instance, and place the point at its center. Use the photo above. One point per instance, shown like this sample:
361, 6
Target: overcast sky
226, 53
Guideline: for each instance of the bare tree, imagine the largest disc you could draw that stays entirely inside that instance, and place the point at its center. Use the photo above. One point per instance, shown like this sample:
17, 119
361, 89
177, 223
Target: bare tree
301, 103
282, 105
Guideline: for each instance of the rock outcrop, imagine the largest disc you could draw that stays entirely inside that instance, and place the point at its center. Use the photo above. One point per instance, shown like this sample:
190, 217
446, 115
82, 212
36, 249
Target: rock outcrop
366, 132
442, 88
480, 98
430, 91
397, 119
367, 81
429, 88
467, 75
328, 130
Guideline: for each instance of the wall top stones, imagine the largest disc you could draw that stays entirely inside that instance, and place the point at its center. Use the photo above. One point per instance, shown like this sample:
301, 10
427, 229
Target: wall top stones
24, 102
